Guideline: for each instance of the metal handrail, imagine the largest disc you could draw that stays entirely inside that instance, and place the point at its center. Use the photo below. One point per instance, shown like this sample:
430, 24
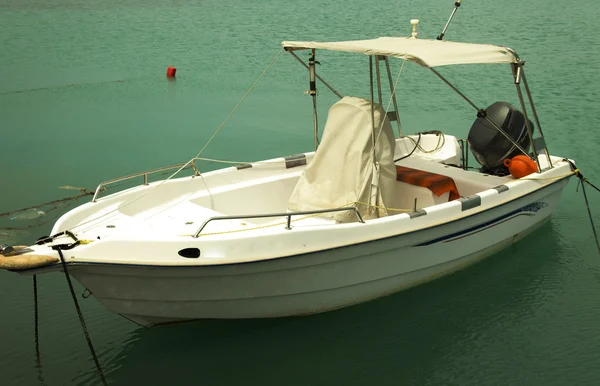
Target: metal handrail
286, 214
145, 175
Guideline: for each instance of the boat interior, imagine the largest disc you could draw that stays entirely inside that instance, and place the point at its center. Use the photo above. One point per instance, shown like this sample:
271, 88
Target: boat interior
179, 206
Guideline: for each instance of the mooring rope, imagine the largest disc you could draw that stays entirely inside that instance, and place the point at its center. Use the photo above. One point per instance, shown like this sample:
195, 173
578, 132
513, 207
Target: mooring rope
36, 322
583, 181
64, 204
592, 185
81, 319
38, 361
59, 86
587, 205
84, 192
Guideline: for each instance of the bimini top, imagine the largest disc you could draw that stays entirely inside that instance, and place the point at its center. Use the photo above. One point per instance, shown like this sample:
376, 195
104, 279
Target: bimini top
427, 53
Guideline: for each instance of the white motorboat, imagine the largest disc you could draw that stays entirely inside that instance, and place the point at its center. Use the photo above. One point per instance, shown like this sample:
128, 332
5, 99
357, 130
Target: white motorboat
370, 212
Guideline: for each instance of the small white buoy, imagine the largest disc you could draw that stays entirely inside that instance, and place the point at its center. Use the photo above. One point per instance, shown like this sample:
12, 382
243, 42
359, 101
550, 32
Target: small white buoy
414, 23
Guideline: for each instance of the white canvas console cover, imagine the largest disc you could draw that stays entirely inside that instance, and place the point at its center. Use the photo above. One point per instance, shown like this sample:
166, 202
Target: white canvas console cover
343, 170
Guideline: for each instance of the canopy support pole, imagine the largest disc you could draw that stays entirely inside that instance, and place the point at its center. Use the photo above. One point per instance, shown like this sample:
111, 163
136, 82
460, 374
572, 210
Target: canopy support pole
372, 103
317, 75
535, 115
375, 177
378, 81
455, 89
393, 91
482, 113
517, 72
313, 92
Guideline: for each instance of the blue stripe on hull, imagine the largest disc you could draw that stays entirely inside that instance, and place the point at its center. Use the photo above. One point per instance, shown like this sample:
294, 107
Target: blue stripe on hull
527, 210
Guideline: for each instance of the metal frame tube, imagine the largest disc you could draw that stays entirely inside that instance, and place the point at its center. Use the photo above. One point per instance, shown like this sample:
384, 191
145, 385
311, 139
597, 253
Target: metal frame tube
517, 68
317, 75
194, 168
288, 216
535, 115
378, 81
372, 103
316, 122
498, 128
144, 175
393, 90
313, 92
454, 88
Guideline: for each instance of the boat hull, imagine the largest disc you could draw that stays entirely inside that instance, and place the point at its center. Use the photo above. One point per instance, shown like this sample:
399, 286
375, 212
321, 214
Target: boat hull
315, 282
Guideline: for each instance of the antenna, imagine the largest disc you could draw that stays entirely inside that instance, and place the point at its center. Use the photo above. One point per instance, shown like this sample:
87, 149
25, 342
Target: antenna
414, 23
456, 5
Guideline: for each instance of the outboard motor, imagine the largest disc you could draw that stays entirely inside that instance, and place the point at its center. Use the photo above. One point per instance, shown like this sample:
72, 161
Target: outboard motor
489, 146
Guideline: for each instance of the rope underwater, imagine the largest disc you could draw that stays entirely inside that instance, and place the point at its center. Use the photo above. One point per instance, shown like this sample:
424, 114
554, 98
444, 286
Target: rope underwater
84, 192
583, 181
81, 319
37, 217
36, 321
587, 204
38, 361
592, 185
56, 204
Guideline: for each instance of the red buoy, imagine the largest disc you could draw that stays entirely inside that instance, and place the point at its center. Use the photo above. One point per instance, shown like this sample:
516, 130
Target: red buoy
520, 166
171, 72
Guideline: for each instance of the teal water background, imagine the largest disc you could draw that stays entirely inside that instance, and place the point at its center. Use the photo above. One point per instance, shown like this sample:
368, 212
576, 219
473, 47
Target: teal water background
84, 98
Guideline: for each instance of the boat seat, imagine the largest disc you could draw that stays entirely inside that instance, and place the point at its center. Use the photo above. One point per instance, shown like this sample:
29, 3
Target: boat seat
427, 188
467, 182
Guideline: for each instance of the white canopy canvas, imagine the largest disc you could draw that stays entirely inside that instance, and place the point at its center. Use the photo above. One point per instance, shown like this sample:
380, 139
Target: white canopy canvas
342, 171
427, 53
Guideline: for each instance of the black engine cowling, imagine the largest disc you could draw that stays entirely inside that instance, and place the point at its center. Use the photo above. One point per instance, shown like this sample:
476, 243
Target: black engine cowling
489, 146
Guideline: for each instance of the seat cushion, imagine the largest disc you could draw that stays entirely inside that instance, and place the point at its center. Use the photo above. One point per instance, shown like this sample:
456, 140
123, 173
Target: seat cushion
436, 183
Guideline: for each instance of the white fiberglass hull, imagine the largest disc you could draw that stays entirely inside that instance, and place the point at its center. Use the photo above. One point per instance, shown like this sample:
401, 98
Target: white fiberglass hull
318, 281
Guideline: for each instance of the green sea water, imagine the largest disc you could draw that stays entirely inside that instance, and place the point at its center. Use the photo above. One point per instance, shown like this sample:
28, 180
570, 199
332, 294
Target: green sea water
84, 98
